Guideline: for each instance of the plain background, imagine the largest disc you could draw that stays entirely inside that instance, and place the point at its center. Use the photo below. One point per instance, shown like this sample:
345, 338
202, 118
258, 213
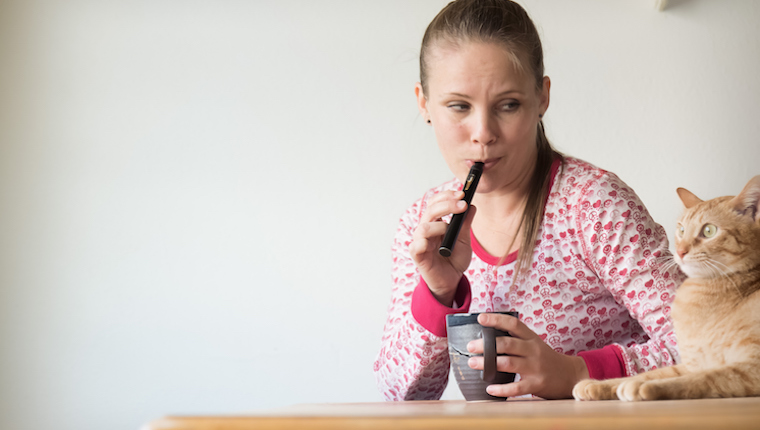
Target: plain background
198, 197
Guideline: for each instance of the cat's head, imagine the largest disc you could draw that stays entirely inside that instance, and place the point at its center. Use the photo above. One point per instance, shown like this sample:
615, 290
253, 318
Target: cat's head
719, 236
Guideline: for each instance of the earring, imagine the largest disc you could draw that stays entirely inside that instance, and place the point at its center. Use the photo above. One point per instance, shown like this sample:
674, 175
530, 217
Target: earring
540, 116
428, 121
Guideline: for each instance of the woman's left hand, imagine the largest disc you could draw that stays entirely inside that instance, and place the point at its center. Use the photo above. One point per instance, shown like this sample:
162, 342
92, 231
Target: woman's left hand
543, 372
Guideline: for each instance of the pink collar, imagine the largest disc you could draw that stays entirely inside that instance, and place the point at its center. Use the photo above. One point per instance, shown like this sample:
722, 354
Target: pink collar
496, 261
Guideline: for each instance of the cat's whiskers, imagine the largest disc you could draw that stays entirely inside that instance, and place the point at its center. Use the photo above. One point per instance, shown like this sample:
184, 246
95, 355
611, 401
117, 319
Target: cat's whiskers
715, 268
663, 259
704, 262
728, 268
725, 273
665, 263
669, 264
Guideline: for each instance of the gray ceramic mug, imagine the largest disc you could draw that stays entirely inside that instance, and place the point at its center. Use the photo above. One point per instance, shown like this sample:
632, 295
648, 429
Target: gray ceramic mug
463, 328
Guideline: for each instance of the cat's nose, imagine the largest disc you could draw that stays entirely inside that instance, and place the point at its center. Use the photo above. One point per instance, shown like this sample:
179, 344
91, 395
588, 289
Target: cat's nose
681, 252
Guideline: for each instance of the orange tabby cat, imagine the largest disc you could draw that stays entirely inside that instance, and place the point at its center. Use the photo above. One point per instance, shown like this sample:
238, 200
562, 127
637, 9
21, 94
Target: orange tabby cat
716, 311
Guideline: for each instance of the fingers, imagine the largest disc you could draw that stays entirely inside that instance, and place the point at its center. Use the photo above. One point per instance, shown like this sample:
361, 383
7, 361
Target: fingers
514, 389
504, 363
508, 364
423, 235
521, 342
529, 384
429, 233
507, 323
442, 204
504, 345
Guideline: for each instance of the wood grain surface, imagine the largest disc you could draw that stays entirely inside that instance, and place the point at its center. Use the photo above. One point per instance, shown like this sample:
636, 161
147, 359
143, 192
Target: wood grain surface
741, 413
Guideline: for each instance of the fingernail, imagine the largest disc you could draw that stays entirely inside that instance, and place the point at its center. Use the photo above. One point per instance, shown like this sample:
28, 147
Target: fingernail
491, 390
471, 346
472, 362
461, 204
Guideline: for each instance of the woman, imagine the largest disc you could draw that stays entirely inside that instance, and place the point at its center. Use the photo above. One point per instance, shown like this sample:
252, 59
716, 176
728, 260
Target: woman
566, 244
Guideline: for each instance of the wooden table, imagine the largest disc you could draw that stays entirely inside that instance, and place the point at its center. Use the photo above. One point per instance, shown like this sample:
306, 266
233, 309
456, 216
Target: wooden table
712, 414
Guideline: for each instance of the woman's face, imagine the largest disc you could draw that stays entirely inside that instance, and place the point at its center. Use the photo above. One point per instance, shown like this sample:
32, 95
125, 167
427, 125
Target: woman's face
483, 109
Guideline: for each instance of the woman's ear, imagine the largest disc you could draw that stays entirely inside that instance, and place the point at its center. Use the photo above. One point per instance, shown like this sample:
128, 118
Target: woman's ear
421, 101
544, 101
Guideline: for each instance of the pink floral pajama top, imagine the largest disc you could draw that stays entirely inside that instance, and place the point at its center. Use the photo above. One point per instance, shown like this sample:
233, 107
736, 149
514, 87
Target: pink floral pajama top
596, 287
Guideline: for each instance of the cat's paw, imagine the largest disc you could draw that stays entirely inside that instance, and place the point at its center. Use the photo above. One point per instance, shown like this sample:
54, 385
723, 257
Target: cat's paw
637, 390
628, 391
589, 389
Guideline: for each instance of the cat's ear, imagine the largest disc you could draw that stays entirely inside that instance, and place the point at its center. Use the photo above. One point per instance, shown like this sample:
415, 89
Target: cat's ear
746, 203
688, 198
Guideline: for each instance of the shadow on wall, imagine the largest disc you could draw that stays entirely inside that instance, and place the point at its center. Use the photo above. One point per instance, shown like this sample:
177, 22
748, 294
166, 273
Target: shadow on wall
672, 4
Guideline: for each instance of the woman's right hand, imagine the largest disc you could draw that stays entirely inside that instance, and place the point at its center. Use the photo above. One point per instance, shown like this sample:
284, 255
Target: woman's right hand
442, 274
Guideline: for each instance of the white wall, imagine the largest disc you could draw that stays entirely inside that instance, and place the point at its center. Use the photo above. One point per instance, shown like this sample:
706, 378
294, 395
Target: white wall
198, 198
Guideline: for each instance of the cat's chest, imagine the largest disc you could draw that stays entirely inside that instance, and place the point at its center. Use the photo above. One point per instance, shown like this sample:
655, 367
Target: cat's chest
693, 317
710, 329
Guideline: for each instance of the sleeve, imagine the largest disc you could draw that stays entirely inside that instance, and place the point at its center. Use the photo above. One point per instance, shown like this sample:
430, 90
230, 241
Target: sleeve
413, 362
604, 363
629, 252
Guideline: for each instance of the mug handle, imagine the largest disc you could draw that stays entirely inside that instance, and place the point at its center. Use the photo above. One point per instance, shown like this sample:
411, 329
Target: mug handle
489, 355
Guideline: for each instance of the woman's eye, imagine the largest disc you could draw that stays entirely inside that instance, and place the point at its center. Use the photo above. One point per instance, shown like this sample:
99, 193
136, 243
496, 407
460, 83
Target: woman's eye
509, 106
709, 230
458, 107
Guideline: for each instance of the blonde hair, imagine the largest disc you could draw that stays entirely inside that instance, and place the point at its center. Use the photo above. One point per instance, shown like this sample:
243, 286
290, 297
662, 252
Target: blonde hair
505, 23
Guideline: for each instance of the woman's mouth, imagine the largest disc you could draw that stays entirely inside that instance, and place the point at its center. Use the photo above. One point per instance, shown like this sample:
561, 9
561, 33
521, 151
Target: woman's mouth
487, 163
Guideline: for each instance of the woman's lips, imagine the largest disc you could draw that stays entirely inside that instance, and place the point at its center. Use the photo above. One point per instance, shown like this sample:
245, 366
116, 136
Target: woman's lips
486, 163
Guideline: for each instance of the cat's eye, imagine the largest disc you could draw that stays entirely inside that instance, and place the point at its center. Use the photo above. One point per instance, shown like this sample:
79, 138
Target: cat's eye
709, 230
680, 230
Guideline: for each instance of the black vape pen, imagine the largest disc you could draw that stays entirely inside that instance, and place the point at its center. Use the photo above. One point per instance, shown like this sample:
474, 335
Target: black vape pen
456, 221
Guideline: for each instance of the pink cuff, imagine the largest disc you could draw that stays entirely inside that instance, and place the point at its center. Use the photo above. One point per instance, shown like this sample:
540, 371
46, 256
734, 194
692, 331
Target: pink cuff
605, 363
430, 313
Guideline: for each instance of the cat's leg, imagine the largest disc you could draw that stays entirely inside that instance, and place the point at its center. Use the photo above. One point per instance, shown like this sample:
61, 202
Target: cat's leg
737, 380
608, 389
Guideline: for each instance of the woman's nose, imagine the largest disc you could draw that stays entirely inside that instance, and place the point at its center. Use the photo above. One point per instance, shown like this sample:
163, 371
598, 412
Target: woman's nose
484, 128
